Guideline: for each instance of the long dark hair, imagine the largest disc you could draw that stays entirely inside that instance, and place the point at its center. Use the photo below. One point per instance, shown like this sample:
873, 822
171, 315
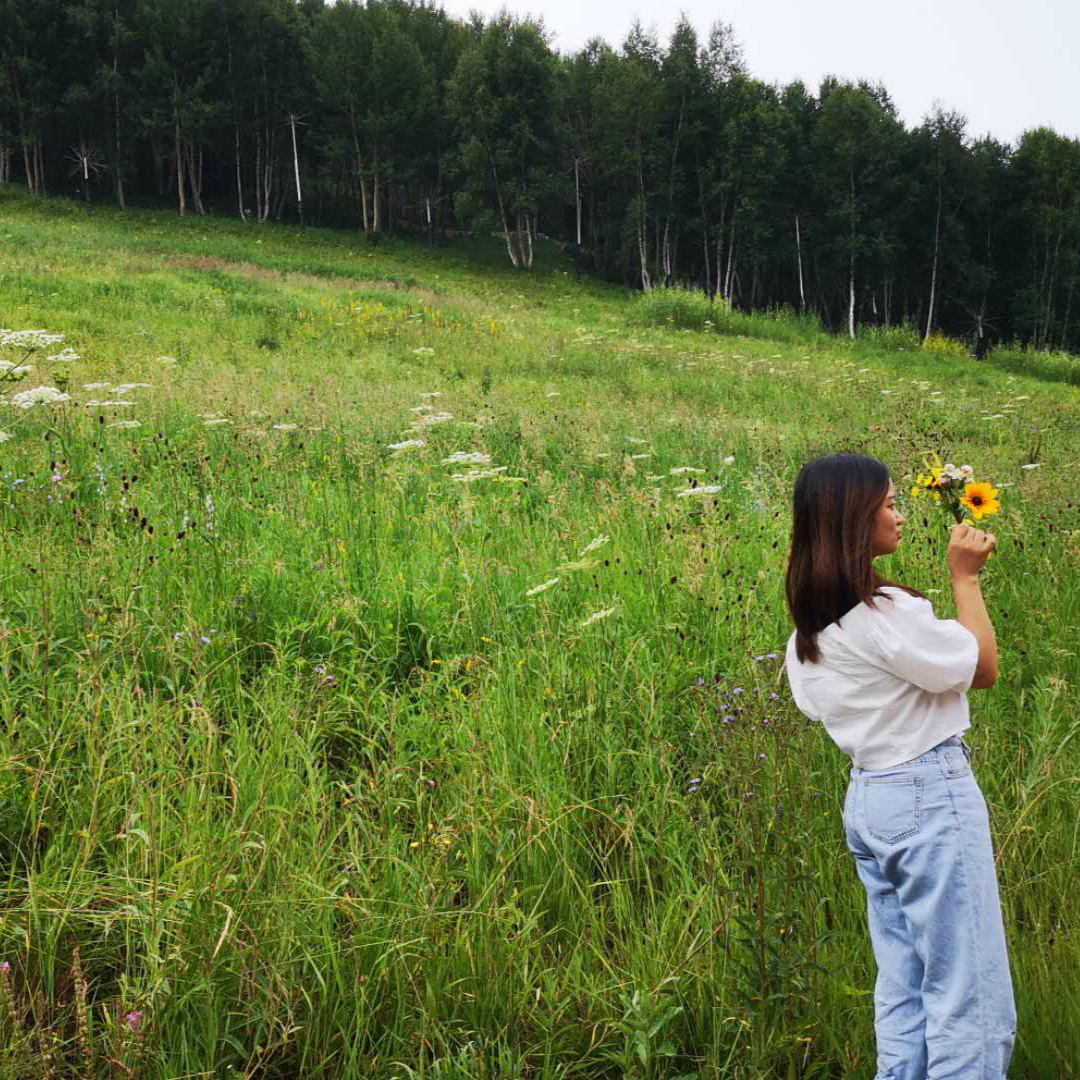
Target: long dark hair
830, 568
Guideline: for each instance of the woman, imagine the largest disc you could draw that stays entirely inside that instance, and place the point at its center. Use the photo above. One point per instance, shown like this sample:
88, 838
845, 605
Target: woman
889, 681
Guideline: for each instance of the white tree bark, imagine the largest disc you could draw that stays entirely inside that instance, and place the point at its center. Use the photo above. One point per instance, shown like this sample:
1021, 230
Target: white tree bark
798, 254
851, 296
296, 169
934, 268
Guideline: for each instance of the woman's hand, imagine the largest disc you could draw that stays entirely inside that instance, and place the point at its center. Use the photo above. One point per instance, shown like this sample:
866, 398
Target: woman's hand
968, 550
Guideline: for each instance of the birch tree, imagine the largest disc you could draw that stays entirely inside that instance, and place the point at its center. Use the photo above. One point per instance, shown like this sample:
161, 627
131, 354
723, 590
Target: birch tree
852, 143
501, 97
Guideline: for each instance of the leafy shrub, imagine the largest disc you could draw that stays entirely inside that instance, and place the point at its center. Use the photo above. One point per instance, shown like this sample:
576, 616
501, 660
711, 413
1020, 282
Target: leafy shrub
901, 338
690, 309
678, 307
772, 324
1050, 366
940, 345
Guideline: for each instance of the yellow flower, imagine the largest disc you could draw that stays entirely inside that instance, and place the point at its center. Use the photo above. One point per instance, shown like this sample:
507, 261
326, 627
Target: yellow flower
981, 499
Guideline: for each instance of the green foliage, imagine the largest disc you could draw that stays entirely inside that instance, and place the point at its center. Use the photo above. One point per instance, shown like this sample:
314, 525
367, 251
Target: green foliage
678, 308
318, 781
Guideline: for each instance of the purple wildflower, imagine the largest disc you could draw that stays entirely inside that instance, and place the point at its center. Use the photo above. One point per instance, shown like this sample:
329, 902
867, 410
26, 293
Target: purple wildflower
134, 1021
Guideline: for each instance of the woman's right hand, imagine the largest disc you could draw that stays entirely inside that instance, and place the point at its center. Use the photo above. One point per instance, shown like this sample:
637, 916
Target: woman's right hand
968, 550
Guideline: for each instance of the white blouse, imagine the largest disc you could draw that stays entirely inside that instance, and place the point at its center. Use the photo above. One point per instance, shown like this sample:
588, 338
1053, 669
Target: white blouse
891, 683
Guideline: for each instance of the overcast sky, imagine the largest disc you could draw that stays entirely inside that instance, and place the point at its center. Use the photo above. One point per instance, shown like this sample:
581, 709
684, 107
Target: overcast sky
1007, 66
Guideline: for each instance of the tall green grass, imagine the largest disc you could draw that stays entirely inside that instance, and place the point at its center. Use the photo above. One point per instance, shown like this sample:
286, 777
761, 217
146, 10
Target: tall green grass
298, 779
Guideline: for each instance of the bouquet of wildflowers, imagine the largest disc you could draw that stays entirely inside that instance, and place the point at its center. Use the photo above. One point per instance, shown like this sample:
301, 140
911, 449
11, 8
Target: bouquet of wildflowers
956, 490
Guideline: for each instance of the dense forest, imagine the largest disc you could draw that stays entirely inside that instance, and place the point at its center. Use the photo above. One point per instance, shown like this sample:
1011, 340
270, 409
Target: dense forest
653, 163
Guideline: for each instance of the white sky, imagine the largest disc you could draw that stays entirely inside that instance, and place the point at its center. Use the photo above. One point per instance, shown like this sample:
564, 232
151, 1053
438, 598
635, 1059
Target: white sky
1006, 66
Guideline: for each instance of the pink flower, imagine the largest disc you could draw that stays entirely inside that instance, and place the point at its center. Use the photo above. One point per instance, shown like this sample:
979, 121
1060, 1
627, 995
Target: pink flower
134, 1021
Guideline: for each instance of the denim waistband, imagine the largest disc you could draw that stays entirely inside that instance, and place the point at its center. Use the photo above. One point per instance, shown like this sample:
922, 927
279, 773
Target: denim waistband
923, 759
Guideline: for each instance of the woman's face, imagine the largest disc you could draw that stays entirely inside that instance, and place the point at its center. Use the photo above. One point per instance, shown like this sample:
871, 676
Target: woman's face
885, 532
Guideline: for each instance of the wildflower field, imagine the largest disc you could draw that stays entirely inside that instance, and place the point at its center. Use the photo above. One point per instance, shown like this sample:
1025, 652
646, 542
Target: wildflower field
390, 665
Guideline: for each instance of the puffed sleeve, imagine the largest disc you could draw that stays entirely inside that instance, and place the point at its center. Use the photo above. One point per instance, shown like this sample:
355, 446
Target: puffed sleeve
795, 681
913, 644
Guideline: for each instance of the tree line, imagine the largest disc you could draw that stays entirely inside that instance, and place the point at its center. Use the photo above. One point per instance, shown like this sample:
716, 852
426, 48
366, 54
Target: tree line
654, 163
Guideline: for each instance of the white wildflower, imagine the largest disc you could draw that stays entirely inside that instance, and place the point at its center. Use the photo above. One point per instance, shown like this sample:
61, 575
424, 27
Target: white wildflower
967, 472
1033, 465
537, 589
65, 356
422, 409
434, 418
680, 470
6, 436
639, 457
705, 489
464, 457
635, 439
14, 369
408, 444
125, 424
730, 459
596, 616
285, 427
126, 388
95, 386
28, 339
40, 395
107, 404
594, 545
478, 474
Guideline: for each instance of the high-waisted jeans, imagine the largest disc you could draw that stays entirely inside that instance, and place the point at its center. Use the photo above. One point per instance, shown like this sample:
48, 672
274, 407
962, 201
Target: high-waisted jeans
943, 1002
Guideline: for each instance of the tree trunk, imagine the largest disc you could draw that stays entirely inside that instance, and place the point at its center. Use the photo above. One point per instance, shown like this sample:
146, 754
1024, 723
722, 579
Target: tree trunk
730, 275
179, 153
577, 196
1068, 313
851, 296
118, 148
934, 270
195, 176
296, 170
258, 170
359, 170
239, 178
798, 257
376, 200
510, 250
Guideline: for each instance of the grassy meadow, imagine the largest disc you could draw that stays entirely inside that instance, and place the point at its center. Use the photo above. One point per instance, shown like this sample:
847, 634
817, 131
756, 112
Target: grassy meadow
475, 758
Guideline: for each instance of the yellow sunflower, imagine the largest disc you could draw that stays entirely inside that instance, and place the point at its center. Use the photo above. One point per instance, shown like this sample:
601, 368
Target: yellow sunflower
981, 500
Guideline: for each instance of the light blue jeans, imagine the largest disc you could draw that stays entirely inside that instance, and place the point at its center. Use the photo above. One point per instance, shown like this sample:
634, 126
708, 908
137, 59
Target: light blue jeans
943, 1002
